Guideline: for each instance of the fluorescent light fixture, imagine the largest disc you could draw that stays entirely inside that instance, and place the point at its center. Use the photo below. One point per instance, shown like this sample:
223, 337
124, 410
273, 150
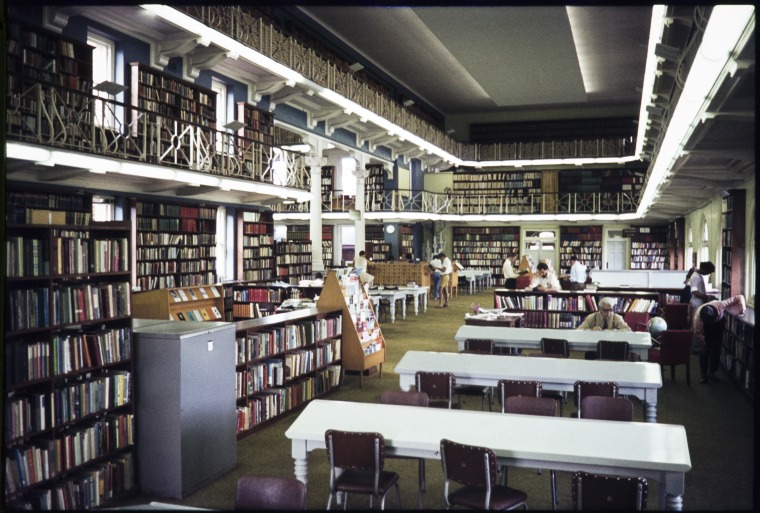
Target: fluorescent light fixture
147, 171
408, 103
728, 26
234, 125
111, 88
356, 67
291, 216
669, 53
14, 150
655, 36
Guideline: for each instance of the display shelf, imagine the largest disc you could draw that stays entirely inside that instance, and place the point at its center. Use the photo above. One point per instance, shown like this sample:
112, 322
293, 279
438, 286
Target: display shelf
68, 370
566, 309
363, 342
484, 247
194, 303
284, 361
293, 260
585, 242
176, 245
255, 238
649, 247
738, 353
732, 242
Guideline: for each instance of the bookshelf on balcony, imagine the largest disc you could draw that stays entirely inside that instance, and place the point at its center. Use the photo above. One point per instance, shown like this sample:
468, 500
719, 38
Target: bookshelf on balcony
484, 247
585, 242
163, 96
255, 238
293, 261
733, 236
649, 247
60, 66
67, 332
506, 191
363, 342
566, 309
284, 361
257, 129
176, 245
374, 187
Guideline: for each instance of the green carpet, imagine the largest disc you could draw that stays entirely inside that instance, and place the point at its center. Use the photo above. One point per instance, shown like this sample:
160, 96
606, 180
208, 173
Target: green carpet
718, 420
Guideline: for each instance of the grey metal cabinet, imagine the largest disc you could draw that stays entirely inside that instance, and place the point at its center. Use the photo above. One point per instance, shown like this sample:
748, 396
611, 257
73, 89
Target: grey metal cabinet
186, 421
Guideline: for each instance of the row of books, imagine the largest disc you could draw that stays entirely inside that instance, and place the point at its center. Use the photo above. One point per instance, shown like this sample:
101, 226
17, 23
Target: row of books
88, 302
195, 265
175, 239
258, 274
299, 363
193, 294
89, 487
258, 252
257, 240
539, 319
260, 294
258, 263
579, 303
251, 310
77, 351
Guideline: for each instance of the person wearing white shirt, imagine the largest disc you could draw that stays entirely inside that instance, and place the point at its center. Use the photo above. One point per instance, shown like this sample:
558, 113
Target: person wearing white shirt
508, 270
361, 264
436, 267
447, 269
543, 280
577, 274
699, 293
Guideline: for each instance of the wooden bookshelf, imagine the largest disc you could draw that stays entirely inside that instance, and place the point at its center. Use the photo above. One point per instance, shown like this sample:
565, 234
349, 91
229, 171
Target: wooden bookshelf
405, 239
363, 342
176, 245
378, 250
374, 186
298, 233
485, 247
737, 353
327, 245
194, 303
327, 187
567, 309
259, 124
162, 95
62, 69
255, 238
676, 244
67, 333
293, 260
253, 300
649, 247
284, 361
732, 241
585, 242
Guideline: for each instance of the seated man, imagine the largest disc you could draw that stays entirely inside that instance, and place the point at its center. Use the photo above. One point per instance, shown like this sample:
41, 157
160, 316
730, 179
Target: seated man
544, 280
604, 319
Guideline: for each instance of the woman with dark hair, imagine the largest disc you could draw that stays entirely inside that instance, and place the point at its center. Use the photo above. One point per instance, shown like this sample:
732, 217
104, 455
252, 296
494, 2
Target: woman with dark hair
699, 293
709, 322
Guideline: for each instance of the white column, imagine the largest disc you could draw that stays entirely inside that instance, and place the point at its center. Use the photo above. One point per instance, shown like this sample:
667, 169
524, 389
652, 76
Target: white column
315, 214
361, 174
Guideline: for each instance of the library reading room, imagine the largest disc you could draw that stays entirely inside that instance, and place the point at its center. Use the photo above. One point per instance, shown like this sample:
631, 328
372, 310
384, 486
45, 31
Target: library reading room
294, 255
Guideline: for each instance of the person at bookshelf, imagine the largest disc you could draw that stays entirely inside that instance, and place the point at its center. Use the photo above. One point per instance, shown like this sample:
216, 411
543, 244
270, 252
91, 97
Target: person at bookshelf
446, 269
698, 287
708, 325
604, 319
544, 280
361, 264
508, 270
435, 272
577, 274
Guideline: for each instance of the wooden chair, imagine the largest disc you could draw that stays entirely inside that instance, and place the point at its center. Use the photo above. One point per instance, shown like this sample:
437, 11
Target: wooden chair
532, 405
439, 386
361, 458
608, 493
607, 408
676, 315
584, 389
477, 346
674, 349
637, 321
409, 399
270, 493
475, 468
613, 350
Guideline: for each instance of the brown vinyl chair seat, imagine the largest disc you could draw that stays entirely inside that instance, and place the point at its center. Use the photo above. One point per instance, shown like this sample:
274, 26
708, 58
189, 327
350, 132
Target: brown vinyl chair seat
607, 408
608, 493
270, 493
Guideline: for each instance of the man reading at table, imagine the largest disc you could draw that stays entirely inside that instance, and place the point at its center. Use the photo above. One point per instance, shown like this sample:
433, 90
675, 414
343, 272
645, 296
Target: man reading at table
544, 280
604, 319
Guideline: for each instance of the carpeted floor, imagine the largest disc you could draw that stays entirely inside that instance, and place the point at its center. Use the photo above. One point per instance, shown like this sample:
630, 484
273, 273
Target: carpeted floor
718, 420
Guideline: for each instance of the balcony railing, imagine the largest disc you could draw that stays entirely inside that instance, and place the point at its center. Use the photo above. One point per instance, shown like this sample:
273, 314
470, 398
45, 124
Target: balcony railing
60, 118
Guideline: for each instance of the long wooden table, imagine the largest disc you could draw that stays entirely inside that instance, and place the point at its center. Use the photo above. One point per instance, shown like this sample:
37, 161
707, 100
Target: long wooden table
658, 452
580, 340
639, 379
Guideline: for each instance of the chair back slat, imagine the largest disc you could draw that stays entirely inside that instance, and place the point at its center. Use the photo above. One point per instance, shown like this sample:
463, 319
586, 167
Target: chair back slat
466, 464
479, 346
558, 346
439, 386
612, 350
609, 493
355, 450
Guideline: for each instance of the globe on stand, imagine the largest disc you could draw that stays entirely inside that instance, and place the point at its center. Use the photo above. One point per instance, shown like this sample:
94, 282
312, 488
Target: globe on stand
656, 326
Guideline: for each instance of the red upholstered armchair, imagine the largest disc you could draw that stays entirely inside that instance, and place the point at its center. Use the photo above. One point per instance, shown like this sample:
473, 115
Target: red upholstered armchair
674, 349
637, 321
676, 315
